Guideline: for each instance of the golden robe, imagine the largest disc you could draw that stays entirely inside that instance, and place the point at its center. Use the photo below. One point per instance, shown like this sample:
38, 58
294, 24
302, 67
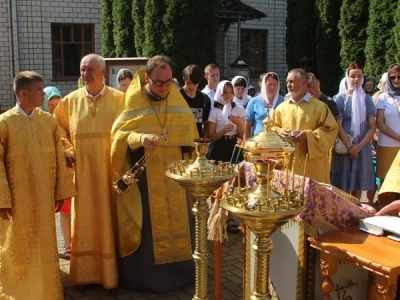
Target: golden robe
138, 116
87, 124
390, 189
315, 118
33, 175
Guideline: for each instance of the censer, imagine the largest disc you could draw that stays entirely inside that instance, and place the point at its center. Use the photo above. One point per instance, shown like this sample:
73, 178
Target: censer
263, 209
200, 178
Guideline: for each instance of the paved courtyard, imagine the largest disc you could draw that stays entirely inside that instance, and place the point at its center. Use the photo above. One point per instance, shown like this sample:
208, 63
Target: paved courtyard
231, 289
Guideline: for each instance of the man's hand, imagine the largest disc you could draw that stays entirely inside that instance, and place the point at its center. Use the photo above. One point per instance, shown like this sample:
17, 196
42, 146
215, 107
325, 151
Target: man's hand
5, 213
59, 204
390, 209
300, 138
285, 133
70, 162
149, 141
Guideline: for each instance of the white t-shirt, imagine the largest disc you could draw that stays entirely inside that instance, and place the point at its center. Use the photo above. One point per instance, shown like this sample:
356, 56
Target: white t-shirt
210, 93
216, 117
392, 119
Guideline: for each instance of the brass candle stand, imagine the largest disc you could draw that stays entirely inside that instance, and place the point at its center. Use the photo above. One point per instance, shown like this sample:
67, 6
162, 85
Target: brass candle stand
200, 178
262, 208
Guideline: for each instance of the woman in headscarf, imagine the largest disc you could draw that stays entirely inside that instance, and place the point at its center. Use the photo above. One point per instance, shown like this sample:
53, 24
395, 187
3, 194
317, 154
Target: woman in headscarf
353, 172
225, 123
266, 102
51, 99
388, 122
225, 126
240, 86
124, 78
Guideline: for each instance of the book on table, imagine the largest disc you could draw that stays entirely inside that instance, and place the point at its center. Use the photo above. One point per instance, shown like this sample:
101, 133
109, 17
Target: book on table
382, 225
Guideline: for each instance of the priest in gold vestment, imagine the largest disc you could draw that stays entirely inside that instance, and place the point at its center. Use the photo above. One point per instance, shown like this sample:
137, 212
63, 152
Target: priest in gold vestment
34, 181
309, 124
153, 215
87, 115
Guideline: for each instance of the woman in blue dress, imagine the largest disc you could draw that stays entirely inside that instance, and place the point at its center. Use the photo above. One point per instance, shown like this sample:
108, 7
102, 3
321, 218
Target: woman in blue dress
268, 99
353, 172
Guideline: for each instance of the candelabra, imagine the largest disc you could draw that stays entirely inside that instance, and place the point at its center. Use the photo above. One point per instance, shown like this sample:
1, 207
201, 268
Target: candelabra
263, 209
200, 178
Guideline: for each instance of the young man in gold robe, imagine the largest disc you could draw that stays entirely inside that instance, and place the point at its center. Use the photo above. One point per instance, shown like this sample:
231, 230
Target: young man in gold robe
87, 115
34, 181
309, 124
156, 243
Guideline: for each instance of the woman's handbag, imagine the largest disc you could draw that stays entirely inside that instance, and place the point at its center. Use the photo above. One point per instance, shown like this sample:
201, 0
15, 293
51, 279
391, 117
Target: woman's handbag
340, 147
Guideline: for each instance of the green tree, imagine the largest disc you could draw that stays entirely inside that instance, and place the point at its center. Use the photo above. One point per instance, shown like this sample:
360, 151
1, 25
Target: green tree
396, 34
154, 27
191, 35
379, 31
352, 31
327, 47
138, 20
300, 31
123, 28
107, 39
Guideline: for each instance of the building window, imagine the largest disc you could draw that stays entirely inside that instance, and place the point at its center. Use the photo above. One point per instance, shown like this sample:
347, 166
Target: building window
70, 42
254, 50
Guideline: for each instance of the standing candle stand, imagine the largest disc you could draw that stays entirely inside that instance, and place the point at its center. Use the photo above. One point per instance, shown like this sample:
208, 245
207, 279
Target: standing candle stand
200, 178
262, 208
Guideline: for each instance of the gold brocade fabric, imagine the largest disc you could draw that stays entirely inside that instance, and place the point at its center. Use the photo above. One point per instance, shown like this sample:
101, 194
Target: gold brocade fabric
33, 175
391, 185
93, 212
327, 207
170, 228
321, 128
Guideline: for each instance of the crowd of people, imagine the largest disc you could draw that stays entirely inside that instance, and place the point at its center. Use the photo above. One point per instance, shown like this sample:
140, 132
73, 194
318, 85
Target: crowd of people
62, 154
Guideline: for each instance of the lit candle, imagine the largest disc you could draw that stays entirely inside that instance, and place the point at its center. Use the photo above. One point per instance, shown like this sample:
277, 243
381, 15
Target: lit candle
287, 177
304, 173
238, 170
293, 161
269, 170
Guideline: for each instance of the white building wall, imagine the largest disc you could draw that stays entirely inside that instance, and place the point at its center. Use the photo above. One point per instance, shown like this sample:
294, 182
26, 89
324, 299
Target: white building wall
276, 51
33, 34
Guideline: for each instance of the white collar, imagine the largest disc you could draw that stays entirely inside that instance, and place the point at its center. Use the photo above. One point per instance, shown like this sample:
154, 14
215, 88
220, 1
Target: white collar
305, 98
94, 97
22, 112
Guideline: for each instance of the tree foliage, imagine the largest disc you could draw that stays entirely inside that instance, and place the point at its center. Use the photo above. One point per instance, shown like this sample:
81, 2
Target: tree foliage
138, 20
327, 48
352, 31
123, 28
154, 27
192, 32
300, 31
396, 31
107, 39
379, 31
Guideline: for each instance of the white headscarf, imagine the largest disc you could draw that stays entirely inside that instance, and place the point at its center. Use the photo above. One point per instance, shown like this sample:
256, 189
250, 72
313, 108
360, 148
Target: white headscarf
242, 102
358, 108
226, 111
342, 85
383, 81
264, 94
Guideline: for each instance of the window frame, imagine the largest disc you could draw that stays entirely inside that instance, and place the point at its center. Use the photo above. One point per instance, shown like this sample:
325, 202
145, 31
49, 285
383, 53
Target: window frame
61, 42
253, 67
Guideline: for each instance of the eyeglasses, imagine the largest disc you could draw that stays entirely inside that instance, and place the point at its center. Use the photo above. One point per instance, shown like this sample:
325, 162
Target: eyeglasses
161, 83
393, 77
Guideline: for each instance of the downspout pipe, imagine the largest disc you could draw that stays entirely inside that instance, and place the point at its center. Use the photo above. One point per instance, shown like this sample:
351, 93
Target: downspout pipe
11, 43
16, 35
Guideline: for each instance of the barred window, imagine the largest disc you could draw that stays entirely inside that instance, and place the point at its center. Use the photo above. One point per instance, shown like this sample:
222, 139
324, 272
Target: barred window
254, 49
70, 42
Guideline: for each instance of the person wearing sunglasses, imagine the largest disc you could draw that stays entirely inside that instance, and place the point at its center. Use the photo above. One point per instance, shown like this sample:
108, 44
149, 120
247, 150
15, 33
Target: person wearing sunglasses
388, 122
